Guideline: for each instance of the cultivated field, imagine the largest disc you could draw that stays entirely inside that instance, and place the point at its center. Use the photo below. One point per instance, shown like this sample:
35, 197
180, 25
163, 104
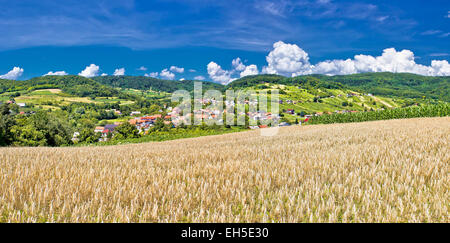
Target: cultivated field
382, 171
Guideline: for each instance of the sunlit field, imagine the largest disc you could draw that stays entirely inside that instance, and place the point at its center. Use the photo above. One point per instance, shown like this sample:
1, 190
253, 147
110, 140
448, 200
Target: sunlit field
382, 171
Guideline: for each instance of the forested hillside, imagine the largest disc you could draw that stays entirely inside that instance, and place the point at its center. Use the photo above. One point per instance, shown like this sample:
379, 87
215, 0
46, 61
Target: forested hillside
70, 84
148, 83
397, 84
403, 85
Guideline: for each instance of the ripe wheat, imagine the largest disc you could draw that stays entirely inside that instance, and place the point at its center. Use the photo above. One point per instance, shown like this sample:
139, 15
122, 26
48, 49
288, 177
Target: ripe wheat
382, 171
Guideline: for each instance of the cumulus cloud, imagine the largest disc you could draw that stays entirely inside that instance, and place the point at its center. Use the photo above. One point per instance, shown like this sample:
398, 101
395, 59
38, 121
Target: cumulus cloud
217, 74
238, 65
200, 77
119, 72
440, 68
104, 74
249, 70
192, 70
14, 74
334, 67
291, 60
90, 71
57, 73
153, 75
165, 73
181, 79
177, 69
390, 60
142, 68
287, 59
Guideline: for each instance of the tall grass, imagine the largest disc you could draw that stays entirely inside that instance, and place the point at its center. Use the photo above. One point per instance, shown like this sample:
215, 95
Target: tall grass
438, 110
382, 171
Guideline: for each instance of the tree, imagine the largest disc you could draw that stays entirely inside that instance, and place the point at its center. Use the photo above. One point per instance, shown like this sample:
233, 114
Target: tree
126, 130
6, 122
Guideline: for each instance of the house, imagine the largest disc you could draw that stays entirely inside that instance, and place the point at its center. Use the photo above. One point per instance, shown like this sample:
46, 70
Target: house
21, 104
110, 127
75, 137
132, 121
99, 129
262, 126
290, 111
135, 113
105, 134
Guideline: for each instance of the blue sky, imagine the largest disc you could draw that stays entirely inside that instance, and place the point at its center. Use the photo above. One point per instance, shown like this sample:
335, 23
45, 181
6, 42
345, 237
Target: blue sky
67, 35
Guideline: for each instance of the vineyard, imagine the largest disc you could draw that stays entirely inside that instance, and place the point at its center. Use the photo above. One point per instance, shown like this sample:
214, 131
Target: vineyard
438, 110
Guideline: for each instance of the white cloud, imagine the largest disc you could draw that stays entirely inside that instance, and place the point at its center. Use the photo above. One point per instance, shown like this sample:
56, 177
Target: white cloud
142, 68
250, 70
448, 15
439, 54
167, 74
153, 75
177, 69
382, 18
90, 71
287, 59
104, 74
14, 74
431, 32
182, 79
57, 73
217, 74
238, 65
192, 70
390, 60
291, 60
440, 68
335, 67
119, 72
199, 78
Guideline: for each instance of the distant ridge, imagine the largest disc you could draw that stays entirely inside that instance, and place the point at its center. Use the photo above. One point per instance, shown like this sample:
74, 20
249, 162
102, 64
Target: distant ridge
382, 83
405, 85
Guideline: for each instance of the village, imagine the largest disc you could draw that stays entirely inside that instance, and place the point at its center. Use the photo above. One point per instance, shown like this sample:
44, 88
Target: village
210, 113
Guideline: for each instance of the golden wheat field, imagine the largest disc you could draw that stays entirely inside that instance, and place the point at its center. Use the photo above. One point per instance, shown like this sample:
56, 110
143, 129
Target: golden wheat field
383, 171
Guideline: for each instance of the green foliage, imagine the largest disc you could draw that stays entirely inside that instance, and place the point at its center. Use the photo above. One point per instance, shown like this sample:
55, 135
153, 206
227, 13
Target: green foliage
41, 129
7, 121
386, 84
125, 131
148, 83
405, 85
71, 84
409, 112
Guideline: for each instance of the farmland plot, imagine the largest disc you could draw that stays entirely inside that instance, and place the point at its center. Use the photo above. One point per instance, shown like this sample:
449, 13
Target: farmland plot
381, 171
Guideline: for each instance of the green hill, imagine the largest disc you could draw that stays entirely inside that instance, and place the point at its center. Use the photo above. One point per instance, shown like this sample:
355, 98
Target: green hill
404, 85
70, 84
154, 84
